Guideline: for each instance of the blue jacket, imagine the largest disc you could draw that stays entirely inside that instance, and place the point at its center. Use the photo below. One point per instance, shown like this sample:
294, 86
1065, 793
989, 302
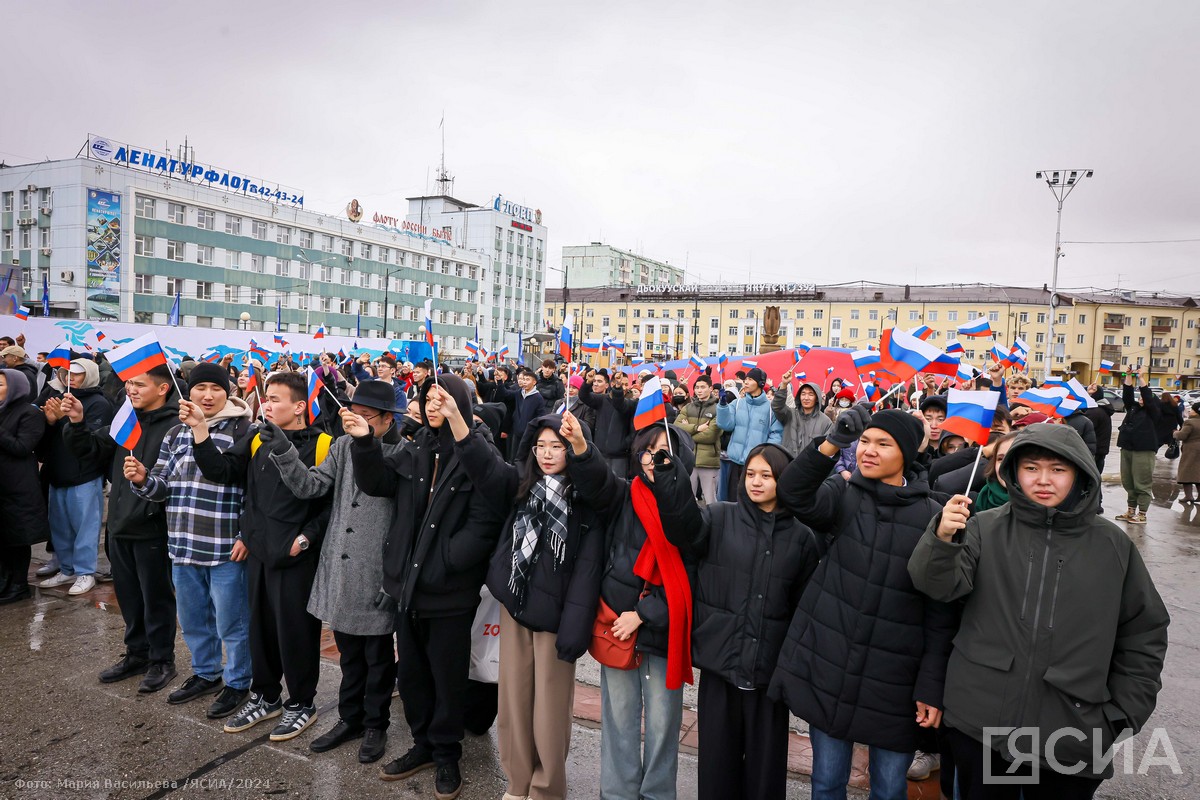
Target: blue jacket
751, 423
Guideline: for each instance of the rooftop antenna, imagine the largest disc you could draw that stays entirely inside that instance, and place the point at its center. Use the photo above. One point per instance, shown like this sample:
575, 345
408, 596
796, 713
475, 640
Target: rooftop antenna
445, 180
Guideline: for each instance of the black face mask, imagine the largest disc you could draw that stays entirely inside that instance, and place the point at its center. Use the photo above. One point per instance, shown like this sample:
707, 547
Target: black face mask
409, 427
679, 401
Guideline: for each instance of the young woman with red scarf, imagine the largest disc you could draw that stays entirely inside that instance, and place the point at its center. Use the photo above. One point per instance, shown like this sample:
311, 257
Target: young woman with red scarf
648, 585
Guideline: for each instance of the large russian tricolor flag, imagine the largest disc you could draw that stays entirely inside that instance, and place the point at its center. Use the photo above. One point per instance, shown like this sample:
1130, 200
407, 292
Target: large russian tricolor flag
1047, 401
125, 428
976, 327
650, 407
137, 357
969, 414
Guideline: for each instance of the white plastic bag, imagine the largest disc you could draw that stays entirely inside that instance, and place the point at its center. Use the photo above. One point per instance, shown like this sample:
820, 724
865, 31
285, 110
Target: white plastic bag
485, 640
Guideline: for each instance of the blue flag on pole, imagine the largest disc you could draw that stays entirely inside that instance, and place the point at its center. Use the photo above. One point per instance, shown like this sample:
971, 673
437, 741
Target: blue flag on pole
173, 319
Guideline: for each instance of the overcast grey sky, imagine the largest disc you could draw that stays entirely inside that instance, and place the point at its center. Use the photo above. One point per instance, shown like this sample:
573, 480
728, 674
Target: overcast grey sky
806, 141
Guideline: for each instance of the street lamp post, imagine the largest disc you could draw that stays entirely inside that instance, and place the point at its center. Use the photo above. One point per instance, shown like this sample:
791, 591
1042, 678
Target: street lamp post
1061, 182
244, 317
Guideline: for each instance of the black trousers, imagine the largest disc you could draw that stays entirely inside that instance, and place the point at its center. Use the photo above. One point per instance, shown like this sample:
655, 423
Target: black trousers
285, 640
141, 571
743, 742
14, 565
483, 705
435, 658
968, 762
368, 675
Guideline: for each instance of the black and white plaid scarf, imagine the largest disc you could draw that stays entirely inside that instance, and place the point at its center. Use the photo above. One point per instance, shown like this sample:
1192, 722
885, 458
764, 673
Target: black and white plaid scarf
543, 519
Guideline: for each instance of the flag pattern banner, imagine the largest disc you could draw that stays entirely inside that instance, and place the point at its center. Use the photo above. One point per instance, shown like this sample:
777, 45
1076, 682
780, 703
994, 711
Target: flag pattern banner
137, 357
970, 414
651, 407
125, 428
976, 327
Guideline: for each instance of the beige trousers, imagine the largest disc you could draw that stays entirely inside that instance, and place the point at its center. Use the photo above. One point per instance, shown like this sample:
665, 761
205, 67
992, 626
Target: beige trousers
537, 696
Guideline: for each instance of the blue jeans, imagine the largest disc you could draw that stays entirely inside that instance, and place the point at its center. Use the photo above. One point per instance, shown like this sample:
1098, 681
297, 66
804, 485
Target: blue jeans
629, 770
213, 608
75, 513
831, 769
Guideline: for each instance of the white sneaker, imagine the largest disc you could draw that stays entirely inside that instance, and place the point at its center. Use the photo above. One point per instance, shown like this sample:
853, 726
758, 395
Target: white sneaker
923, 765
84, 583
49, 568
57, 580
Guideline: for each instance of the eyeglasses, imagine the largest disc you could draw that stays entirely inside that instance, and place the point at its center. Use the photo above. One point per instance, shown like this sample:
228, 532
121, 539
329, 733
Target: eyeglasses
549, 449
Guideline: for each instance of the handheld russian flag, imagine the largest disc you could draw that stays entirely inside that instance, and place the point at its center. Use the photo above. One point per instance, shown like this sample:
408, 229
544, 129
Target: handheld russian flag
282, 342
60, 356
976, 327
320, 334
429, 322
125, 428
210, 356
314, 391
1076, 390
137, 357
590, 347
650, 407
802, 350
864, 359
1054, 380
955, 348
1105, 367
970, 414
871, 390
472, 347
100, 337
616, 344
801, 376
1045, 400
829, 370
998, 355
259, 351
966, 372
21, 312
251, 376
637, 361
904, 355
566, 337
696, 361
748, 364
502, 353
922, 332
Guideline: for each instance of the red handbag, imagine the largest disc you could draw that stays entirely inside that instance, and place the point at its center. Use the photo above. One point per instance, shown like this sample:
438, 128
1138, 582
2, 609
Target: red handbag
606, 648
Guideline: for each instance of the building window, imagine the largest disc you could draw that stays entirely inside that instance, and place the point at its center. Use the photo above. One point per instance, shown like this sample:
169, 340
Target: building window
952, 316
1023, 317
733, 313
145, 207
206, 219
1062, 319
306, 239
872, 333
853, 334
1124, 341
854, 313
347, 247
175, 250
259, 297
204, 290
26, 238
818, 313
143, 246
8, 241
204, 255
913, 316
799, 313
1080, 339
256, 263
818, 332
233, 224
258, 229
8, 201
231, 294
1041, 318
873, 314
994, 316
233, 259
364, 250
733, 330
176, 212
143, 284
931, 316
283, 267
385, 255
1083, 319
174, 286
1142, 322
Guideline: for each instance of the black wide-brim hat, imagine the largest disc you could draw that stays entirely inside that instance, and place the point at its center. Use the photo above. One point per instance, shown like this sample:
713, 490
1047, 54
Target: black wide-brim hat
375, 394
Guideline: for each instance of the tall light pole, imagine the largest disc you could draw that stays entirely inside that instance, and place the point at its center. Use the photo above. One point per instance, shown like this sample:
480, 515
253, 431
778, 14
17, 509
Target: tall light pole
303, 258
1061, 182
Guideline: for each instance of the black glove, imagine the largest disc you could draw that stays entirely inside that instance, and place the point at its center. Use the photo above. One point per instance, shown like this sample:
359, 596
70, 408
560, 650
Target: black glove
272, 437
724, 397
849, 426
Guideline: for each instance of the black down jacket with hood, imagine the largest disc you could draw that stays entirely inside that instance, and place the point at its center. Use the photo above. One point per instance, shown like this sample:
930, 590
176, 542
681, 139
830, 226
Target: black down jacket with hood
864, 644
1061, 624
752, 567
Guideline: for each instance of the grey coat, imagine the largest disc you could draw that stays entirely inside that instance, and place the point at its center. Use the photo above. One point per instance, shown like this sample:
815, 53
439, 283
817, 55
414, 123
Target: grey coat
1189, 460
350, 572
799, 429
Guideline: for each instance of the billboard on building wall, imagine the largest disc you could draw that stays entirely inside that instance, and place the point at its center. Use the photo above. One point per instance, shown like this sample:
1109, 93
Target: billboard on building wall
103, 299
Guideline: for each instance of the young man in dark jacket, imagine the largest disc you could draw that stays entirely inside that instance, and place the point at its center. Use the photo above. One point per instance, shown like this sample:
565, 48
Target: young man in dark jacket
1139, 442
1101, 416
1062, 628
528, 405
76, 499
549, 386
434, 561
136, 531
614, 419
282, 535
865, 656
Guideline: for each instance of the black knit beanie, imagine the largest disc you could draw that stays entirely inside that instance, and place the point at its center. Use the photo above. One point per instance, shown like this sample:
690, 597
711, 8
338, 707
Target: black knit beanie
906, 429
205, 372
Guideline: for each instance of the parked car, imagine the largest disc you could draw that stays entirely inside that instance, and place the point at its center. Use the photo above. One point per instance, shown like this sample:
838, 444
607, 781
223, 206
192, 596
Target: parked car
1114, 397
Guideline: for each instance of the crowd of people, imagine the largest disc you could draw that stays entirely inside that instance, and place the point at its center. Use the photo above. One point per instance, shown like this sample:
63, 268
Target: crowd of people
809, 552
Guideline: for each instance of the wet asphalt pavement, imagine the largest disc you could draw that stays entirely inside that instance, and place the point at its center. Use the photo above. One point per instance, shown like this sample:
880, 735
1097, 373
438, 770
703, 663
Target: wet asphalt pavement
64, 734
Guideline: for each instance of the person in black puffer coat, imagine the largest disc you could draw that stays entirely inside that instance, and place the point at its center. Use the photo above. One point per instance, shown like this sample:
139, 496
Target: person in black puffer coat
1139, 440
652, 601
614, 419
865, 656
545, 572
434, 563
754, 559
24, 522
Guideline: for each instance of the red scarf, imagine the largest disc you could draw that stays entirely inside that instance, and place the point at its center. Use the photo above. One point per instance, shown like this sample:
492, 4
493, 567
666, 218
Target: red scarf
660, 564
